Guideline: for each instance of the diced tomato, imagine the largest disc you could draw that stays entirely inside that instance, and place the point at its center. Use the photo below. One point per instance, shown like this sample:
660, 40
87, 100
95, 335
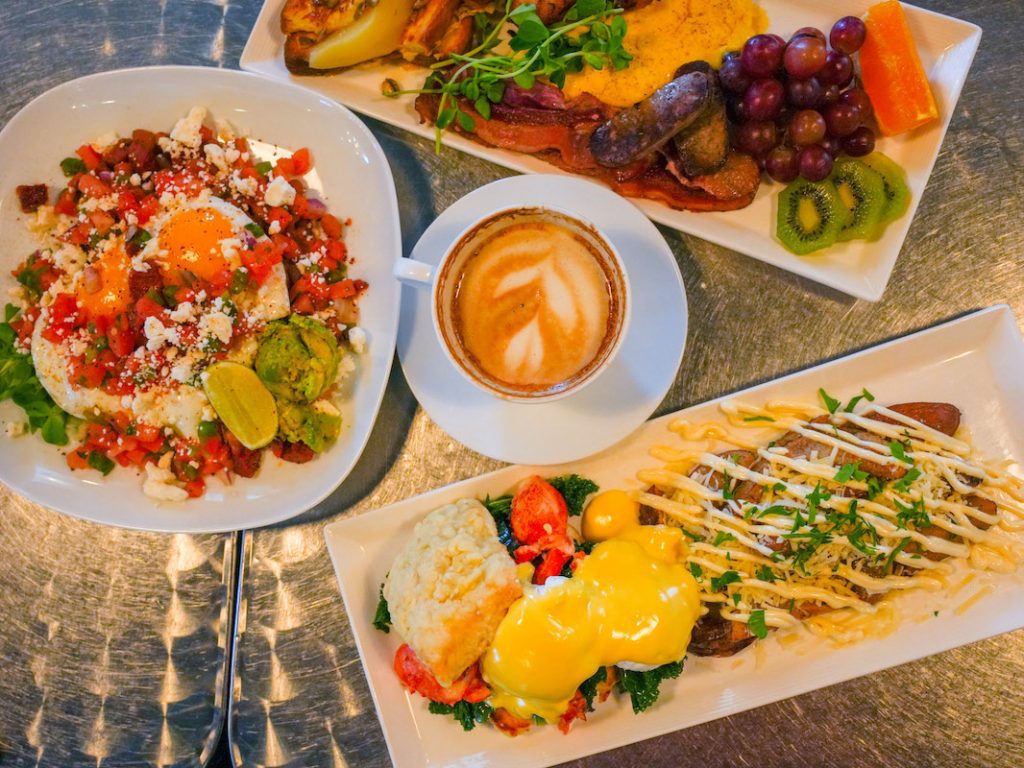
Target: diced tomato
551, 565
303, 304
538, 510
281, 216
78, 459
261, 260
94, 186
302, 162
92, 159
195, 488
288, 246
415, 676
120, 337
146, 307
24, 324
66, 203
79, 234
87, 375
64, 318
332, 227
102, 221
147, 433
284, 167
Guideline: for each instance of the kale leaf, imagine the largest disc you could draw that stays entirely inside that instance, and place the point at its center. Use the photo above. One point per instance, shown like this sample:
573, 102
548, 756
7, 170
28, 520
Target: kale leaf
643, 687
466, 713
574, 490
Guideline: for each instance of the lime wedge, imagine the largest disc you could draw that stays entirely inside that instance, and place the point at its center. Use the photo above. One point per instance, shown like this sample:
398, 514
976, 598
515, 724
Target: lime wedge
242, 402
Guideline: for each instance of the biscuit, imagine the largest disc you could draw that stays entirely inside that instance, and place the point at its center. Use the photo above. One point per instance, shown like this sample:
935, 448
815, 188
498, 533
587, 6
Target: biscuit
450, 587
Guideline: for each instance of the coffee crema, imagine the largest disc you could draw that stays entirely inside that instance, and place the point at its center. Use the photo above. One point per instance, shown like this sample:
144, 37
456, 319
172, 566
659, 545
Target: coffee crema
534, 306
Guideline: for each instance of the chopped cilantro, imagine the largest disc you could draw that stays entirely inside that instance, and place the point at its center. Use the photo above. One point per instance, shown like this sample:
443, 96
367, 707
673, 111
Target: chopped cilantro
899, 451
72, 166
895, 551
574, 490
764, 573
691, 535
850, 472
643, 687
727, 492
465, 713
914, 513
721, 537
141, 237
589, 686
382, 616
864, 395
255, 229
757, 625
779, 487
736, 598
727, 578
697, 571
830, 402
814, 499
875, 486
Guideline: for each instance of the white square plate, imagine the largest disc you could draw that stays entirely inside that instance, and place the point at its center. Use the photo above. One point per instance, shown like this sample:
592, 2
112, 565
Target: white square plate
354, 179
976, 362
859, 268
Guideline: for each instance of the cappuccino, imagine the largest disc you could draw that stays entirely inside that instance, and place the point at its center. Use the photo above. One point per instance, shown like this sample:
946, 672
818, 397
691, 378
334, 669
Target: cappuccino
536, 302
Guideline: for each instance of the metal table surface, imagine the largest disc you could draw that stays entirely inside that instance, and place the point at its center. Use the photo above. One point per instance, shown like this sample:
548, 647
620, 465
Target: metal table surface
113, 643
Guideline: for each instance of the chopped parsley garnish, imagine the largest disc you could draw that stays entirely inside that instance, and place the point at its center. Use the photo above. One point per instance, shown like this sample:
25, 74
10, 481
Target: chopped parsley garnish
72, 166
141, 237
382, 616
864, 395
814, 499
875, 486
895, 551
101, 462
764, 573
574, 490
914, 513
465, 713
757, 625
589, 686
721, 537
758, 418
727, 578
899, 451
18, 383
727, 492
644, 687
255, 229
697, 571
691, 535
779, 487
903, 484
830, 402
850, 472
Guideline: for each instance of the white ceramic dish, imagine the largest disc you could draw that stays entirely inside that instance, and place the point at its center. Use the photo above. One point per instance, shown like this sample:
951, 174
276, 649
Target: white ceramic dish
53, 125
976, 362
608, 408
861, 269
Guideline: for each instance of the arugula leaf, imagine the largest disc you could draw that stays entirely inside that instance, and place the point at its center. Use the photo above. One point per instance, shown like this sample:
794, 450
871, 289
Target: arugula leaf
574, 490
382, 616
465, 713
644, 687
830, 402
757, 625
589, 686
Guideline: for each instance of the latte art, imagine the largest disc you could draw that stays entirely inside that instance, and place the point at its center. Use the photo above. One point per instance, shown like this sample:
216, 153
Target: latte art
533, 305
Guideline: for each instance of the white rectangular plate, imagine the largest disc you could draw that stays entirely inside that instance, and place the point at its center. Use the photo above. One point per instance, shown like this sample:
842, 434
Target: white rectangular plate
859, 268
976, 362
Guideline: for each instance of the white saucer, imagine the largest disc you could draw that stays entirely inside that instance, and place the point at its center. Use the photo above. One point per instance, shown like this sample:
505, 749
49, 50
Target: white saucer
608, 409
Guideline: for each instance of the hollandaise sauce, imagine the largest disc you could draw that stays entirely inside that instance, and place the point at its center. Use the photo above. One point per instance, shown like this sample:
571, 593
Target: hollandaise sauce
665, 34
632, 601
825, 541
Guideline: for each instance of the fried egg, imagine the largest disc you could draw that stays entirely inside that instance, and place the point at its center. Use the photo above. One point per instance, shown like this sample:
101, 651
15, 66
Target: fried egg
631, 602
204, 236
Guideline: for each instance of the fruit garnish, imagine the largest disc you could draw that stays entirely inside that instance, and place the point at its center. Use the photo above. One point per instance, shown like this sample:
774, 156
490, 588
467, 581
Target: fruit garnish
810, 216
897, 193
862, 191
242, 402
892, 73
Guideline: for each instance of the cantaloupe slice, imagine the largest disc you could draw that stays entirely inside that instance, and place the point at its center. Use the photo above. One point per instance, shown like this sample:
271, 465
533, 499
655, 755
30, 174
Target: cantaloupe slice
377, 32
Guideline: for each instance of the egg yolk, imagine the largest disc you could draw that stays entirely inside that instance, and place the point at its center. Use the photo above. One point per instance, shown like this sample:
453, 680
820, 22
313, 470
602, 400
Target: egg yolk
106, 293
610, 514
631, 599
192, 241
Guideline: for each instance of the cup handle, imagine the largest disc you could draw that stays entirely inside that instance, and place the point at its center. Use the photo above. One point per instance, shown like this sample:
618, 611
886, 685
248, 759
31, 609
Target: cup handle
414, 272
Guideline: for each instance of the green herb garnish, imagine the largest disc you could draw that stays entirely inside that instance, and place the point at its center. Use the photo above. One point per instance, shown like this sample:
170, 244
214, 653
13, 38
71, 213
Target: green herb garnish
264, 168
757, 625
727, 578
830, 402
589, 686
466, 713
18, 383
903, 484
382, 616
864, 395
899, 450
574, 490
72, 166
255, 229
100, 462
644, 687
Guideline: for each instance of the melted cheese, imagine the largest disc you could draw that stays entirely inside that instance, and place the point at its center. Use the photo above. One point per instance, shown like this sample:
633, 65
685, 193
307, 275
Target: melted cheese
664, 35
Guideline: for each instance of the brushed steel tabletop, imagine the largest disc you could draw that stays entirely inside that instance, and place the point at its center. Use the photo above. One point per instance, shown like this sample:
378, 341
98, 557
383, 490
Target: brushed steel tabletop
298, 693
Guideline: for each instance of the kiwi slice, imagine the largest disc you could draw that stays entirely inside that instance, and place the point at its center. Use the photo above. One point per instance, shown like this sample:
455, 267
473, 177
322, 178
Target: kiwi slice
897, 193
862, 191
810, 216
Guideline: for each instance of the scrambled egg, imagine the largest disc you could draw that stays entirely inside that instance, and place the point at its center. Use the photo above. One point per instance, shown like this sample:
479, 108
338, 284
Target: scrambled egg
665, 35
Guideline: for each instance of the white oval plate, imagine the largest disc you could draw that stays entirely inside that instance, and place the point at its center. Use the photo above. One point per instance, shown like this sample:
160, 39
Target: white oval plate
354, 177
607, 409
859, 268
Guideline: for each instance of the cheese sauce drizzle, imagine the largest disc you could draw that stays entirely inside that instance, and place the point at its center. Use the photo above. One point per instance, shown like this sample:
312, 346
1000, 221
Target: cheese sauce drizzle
827, 541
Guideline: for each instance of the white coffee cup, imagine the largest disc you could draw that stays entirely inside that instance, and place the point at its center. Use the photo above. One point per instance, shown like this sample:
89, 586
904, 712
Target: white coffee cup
444, 281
